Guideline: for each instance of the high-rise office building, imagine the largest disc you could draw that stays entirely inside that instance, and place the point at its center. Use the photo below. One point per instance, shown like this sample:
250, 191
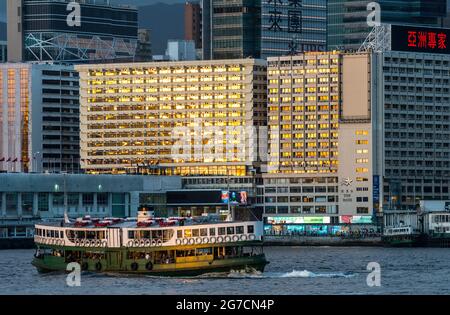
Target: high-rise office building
351, 135
264, 28
193, 23
69, 31
347, 19
320, 138
3, 51
184, 118
233, 29
39, 118
291, 26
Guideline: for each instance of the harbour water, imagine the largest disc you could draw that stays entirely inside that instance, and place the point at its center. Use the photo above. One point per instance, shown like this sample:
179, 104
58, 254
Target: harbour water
292, 270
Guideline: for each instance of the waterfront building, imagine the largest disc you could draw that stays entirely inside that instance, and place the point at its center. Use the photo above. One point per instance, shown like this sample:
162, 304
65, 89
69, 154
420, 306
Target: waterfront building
39, 118
354, 134
320, 168
263, 28
26, 199
347, 19
172, 117
68, 31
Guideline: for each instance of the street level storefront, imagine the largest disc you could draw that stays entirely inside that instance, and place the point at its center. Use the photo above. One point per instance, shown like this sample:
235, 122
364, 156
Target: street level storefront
349, 226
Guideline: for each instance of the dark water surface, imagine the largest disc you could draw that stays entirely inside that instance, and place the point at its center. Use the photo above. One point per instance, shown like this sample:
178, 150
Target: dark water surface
292, 270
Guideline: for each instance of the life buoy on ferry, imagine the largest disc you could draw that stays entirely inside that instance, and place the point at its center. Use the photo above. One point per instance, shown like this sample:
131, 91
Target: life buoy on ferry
153, 243
235, 238
198, 240
252, 237
130, 243
149, 266
148, 243
178, 241
219, 239
136, 243
81, 243
105, 243
98, 266
98, 243
185, 241
142, 243
205, 240
243, 237
227, 238
213, 239
191, 241
134, 266
159, 243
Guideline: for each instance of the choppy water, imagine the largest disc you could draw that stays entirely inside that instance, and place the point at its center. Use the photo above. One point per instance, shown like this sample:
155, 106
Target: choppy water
292, 270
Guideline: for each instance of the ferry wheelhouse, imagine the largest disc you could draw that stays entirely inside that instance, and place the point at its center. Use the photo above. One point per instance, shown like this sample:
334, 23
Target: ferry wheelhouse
148, 245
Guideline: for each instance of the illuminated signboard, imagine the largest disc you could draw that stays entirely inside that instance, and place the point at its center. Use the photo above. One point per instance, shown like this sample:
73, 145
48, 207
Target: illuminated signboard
298, 220
234, 197
356, 219
420, 39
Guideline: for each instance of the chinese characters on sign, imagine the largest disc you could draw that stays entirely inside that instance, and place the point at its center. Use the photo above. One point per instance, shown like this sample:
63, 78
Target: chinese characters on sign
420, 39
430, 40
294, 16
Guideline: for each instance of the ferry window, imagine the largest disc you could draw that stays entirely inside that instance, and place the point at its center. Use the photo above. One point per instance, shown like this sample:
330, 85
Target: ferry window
187, 233
180, 234
203, 232
130, 234
52, 233
195, 233
230, 230
221, 231
61, 235
239, 230
250, 229
204, 251
212, 231
145, 234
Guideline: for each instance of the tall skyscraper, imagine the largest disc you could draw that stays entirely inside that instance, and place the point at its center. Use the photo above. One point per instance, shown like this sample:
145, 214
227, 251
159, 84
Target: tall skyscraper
193, 23
264, 28
347, 19
3, 51
292, 26
39, 118
82, 31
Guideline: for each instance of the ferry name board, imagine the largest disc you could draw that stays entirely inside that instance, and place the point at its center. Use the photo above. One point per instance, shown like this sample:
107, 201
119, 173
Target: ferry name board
420, 39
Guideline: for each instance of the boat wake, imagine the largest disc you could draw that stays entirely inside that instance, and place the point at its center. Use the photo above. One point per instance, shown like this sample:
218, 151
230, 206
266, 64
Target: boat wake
254, 274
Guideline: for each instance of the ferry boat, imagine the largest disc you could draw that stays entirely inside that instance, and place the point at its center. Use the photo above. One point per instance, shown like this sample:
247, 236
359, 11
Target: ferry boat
151, 246
402, 236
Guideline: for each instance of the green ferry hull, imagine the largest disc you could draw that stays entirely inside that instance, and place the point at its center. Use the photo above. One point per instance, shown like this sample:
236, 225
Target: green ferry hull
115, 262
